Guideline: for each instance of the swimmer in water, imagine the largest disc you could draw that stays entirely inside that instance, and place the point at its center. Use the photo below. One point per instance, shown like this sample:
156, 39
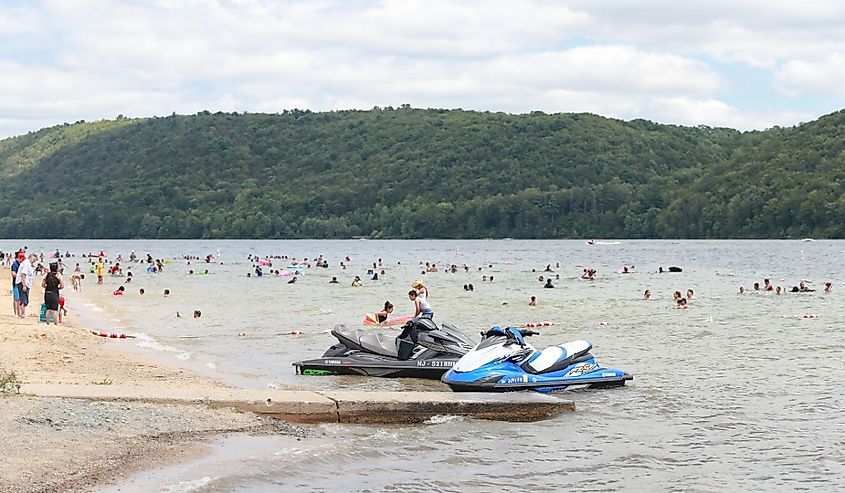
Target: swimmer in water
356, 283
533, 301
141, 291
690, 294
76, 281
682, 304
828, 287
741, 290
420, 288
548, 283
677, 296
647, 294
119, 291
197, 314
767, 285
166, 293
382, 315
334, 281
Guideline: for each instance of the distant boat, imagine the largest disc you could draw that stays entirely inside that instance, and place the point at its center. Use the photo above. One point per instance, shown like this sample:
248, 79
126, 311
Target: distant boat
594, 242
808, 240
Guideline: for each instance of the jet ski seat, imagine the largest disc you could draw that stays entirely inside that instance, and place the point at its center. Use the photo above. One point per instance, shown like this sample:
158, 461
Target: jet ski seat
379, 344
556, 358
365, 340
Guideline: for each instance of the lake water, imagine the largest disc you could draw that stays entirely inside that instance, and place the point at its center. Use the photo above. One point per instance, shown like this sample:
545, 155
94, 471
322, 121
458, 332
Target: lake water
738, 391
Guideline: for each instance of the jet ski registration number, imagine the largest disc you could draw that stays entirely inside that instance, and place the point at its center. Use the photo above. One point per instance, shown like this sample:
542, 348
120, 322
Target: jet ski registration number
436, 363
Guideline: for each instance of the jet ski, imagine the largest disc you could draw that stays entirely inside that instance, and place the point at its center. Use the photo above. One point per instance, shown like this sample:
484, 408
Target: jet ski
422, 350
503, 362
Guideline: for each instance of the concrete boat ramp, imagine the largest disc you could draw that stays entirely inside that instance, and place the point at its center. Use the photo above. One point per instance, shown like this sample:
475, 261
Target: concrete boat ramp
332, 406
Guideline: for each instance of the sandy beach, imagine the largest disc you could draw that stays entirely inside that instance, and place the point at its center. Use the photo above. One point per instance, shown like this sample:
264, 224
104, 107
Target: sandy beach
53, 444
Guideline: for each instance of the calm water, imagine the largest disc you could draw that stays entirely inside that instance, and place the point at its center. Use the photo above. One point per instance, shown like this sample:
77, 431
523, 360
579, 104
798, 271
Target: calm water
735, 392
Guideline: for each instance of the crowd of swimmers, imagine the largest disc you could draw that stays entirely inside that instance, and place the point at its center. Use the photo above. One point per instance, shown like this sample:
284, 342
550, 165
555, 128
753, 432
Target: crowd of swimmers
100, 266
802, 287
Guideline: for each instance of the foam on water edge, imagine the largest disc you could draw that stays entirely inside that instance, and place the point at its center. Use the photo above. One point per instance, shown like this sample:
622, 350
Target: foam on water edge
188, 486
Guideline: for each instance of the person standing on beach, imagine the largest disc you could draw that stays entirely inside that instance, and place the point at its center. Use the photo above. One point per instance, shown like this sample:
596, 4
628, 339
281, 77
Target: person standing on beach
52, 283
24, 280
16, 293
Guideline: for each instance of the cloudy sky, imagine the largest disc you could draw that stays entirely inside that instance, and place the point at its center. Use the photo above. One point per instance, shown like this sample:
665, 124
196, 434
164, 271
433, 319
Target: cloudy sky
738, 63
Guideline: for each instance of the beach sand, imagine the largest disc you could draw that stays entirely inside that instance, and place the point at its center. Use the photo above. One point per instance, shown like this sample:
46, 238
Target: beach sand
52, 444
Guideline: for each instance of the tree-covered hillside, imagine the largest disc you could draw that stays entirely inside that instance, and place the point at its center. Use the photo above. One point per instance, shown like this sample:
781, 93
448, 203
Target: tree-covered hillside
419, 173
788, 185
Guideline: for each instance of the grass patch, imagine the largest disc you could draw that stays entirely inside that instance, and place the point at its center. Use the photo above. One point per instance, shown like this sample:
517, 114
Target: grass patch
9, 383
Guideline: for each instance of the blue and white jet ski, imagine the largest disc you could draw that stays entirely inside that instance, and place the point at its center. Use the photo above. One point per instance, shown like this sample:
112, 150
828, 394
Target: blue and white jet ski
503, 362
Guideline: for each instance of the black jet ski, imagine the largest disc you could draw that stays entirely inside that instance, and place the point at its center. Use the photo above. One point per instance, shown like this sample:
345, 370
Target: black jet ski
422, 350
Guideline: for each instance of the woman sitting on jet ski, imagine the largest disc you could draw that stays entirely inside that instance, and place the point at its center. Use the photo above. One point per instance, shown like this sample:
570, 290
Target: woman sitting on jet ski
423, 309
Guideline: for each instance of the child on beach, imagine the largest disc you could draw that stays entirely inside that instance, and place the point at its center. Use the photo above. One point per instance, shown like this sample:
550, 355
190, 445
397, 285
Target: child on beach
62, 309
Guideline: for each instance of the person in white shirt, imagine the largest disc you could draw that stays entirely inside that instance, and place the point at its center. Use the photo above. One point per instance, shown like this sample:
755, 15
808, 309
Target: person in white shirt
24, 279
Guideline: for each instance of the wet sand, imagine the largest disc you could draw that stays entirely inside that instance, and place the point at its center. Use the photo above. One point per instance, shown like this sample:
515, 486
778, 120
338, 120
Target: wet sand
53, 444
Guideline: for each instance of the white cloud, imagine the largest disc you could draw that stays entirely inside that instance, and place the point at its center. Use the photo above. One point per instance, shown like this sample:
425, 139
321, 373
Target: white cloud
823, 76
88, 59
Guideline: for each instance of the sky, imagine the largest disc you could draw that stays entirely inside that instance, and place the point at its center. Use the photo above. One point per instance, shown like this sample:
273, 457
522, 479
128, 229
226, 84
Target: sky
746, 64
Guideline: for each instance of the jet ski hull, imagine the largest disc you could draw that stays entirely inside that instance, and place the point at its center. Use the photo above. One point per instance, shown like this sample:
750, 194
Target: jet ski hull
500, 383
376, 367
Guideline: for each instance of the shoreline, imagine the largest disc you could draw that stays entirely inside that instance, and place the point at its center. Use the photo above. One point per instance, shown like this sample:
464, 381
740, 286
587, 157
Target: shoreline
60, 444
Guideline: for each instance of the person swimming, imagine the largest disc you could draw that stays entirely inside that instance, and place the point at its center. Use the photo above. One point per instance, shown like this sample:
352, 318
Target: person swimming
533, 301
548, 283
382, 315
647, 294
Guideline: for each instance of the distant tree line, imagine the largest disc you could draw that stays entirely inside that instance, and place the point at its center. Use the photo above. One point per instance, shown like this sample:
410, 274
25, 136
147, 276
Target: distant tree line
408, 173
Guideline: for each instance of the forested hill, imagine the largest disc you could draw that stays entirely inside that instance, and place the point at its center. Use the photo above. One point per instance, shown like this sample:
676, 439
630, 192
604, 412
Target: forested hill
404, 173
